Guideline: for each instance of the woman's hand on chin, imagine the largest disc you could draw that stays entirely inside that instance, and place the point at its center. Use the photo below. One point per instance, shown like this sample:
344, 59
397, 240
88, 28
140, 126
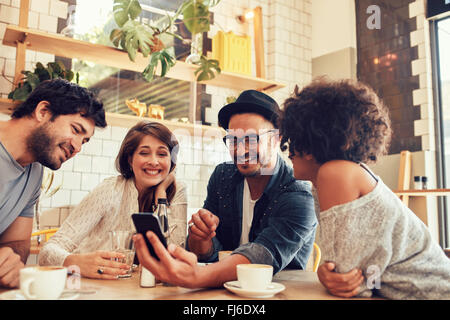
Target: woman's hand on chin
160, 192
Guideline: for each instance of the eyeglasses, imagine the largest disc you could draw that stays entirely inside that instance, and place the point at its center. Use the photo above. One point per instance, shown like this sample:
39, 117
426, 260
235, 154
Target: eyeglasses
249, 140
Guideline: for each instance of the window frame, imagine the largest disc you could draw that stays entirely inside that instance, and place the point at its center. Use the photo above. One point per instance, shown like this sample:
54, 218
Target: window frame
441, 170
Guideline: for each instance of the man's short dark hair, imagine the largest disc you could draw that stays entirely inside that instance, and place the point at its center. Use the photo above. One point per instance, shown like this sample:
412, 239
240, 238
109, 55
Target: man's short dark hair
64, 98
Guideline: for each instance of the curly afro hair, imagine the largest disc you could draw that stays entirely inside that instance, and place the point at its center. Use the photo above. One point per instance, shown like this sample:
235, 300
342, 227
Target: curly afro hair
336, 120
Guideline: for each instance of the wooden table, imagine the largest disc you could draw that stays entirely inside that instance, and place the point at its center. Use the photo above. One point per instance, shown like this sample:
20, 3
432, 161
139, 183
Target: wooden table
300, 285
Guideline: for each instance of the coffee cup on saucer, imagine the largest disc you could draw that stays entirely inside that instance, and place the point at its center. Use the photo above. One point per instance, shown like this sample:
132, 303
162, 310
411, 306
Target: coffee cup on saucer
254, 277
43, 282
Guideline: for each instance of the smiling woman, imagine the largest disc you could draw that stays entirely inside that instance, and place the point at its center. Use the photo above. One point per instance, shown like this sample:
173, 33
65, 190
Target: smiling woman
148, 153
146, 162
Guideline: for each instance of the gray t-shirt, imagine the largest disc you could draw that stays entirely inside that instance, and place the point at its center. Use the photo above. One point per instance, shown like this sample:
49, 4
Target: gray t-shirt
19, 188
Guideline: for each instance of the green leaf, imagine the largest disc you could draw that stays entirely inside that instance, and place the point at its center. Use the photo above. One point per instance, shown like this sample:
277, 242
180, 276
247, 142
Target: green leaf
69, 75
207, 69
212, 3
116, 36
22, 93
61, 66
50, 70
33, 80
196, 17
124, 10
137, 37
42, 73
231, 99
167, 61
56, 68
39, 66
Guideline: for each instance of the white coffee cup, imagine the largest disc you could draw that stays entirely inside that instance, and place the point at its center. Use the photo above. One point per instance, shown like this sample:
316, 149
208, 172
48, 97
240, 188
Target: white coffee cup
255, 277
43, 282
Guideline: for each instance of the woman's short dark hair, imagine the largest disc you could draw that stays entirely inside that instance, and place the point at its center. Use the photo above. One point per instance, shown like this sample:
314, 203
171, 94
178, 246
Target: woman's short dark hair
336, 120
129, 145
64, 98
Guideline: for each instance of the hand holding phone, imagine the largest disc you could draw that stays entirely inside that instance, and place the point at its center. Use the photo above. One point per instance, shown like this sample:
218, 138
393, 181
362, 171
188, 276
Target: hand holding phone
148, 222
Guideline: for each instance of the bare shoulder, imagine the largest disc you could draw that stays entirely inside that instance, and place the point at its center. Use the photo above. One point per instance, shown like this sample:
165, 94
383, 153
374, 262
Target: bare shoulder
338, 170
340, 181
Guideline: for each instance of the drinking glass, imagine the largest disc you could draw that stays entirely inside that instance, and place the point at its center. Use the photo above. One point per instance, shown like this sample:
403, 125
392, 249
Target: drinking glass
122, 242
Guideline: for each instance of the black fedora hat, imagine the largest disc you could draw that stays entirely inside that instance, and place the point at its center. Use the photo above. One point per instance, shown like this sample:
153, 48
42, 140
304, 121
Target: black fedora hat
250, 101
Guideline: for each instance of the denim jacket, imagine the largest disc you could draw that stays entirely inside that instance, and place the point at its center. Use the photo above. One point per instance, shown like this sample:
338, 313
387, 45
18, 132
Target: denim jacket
284, 222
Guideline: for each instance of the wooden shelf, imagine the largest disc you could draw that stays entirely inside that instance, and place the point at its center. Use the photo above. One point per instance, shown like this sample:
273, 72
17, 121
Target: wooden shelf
423, 193
127, 121
7, 105
70, 48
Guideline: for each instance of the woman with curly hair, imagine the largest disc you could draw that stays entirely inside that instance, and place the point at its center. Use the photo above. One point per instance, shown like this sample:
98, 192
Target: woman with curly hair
366, 232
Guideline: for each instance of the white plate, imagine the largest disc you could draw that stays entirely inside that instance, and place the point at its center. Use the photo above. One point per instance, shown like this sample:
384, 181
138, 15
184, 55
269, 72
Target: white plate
17, 295
273, 289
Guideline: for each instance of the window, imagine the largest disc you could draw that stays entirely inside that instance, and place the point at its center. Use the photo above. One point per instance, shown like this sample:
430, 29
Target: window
442, 100
93, 21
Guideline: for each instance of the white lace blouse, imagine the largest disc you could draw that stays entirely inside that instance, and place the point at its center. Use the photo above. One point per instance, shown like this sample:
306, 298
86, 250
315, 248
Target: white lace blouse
108, 207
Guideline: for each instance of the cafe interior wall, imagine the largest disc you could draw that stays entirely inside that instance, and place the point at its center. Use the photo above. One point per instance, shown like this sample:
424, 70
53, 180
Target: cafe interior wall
287, 42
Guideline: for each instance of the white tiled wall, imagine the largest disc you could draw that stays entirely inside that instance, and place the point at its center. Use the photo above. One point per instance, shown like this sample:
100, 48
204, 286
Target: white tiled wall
43, 16
423, 96
287, 43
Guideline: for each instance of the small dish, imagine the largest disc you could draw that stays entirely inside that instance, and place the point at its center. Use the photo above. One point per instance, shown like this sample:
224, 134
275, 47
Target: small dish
271, 290
17, 295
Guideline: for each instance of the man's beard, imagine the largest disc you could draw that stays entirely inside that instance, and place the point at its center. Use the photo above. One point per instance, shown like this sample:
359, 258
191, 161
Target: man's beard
41, 144
254, 158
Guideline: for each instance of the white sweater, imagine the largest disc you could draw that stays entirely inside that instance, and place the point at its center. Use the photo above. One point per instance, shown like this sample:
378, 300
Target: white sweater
108, 207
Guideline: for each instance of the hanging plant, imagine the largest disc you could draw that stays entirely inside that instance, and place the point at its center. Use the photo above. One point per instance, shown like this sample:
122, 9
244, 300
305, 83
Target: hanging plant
134, 36
31, 80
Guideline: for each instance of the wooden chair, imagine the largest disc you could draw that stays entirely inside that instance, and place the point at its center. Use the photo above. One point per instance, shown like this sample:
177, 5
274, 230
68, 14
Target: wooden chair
48, 233
318, 255
314, 259
404, 174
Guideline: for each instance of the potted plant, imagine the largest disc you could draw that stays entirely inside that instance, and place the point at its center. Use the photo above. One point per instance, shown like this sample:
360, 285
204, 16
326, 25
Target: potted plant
32, 79
134, 36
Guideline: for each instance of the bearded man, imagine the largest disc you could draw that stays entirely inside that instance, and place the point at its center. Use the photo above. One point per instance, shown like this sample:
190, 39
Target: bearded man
254, 206
47, 129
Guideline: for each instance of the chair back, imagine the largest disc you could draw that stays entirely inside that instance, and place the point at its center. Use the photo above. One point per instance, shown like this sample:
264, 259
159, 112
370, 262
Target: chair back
314, 259
318, 255
48, 233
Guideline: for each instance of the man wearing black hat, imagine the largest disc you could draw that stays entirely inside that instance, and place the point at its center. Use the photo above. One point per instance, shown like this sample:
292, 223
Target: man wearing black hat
254, 206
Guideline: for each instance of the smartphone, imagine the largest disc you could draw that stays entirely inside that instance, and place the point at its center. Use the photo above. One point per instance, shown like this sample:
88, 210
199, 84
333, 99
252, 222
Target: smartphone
148, 222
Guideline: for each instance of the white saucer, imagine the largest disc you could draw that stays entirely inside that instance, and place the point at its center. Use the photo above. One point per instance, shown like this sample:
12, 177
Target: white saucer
273, 289
17, 295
